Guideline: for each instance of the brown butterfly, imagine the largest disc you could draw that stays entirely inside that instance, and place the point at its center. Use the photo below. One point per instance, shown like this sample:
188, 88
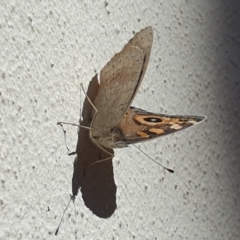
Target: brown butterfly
109, 122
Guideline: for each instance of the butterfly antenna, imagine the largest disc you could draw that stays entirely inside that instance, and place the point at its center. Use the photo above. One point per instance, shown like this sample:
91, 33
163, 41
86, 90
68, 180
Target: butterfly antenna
168, 169
72, 198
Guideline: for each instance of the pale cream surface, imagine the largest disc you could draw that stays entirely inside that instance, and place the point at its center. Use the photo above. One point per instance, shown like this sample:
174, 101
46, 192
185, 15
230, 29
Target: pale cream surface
49, 47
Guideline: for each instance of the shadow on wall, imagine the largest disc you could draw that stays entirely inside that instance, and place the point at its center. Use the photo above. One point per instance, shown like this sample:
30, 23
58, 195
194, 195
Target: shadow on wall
227, 74
97, 184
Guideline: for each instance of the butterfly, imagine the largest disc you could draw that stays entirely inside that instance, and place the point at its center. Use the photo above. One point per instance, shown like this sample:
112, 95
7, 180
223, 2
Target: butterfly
109, 121
114, 123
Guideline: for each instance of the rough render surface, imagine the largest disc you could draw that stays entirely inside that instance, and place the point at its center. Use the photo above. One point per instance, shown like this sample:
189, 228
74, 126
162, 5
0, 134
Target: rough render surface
48, 48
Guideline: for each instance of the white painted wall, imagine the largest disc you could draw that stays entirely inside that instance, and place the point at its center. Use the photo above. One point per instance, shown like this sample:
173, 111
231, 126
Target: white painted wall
48, 48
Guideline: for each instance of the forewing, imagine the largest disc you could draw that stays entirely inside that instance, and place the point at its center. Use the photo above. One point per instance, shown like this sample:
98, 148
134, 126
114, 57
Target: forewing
143, 39
138, 125
118, 81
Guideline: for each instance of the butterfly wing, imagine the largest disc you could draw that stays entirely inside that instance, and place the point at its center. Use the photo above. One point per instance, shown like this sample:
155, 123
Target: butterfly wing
138, 125
142, 39
119, 82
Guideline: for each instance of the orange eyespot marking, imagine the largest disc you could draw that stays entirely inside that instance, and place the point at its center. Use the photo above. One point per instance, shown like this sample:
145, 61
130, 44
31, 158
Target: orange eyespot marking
176, 126
156, 131
150, 120
143, 134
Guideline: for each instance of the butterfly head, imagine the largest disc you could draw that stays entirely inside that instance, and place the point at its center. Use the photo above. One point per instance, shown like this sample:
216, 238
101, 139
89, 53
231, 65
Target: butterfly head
113, 140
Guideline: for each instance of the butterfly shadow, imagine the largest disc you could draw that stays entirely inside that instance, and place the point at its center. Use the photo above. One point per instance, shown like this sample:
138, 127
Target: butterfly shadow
97, 182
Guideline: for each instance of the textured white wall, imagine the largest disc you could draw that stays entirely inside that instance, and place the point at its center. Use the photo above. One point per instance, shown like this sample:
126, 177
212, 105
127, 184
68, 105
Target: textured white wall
48, 48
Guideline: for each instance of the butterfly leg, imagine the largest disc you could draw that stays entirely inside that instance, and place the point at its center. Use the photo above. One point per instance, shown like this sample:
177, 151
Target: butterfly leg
89, 99
65, 139
111, 156
91, 103
73, 124
99, 161
64, 131
78, 125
